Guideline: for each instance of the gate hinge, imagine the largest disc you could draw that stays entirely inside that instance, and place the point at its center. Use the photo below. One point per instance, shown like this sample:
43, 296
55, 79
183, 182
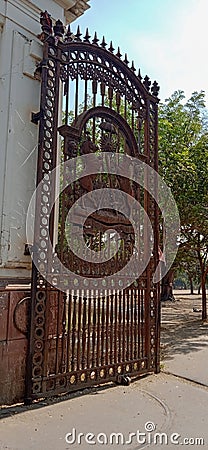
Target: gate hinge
35, 117
38, 71
29, 249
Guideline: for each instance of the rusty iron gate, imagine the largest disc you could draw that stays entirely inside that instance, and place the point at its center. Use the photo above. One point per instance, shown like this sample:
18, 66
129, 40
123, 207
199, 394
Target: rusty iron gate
86, 329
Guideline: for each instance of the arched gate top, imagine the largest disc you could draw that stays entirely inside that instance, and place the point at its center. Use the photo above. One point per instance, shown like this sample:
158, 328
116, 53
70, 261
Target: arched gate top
81, 55
104, 113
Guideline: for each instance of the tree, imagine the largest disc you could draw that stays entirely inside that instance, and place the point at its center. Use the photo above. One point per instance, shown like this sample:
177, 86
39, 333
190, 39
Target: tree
183, 157
187, 265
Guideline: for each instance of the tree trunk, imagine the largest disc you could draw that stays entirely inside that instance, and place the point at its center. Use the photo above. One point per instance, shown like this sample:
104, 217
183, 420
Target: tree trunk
167, 287
204, 297
199, 289
191, 285
204, 271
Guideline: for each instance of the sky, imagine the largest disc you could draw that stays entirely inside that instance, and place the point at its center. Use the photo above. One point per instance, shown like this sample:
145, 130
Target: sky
167, 39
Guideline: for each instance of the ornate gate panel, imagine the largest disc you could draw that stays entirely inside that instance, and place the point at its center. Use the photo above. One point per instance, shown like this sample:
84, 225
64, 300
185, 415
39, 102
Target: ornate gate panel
92, 320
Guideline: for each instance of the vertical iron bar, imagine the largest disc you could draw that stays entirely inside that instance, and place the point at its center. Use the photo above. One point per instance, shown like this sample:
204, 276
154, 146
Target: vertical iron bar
125, 107
102, 91
136, 331
132, 324
142, 323
63, 337
74, 319
107, 328
139, 320
132, 117
127, 325
85, 94
79, 330
110, 96
88, 328
57, 333
103, 331
69, 331
118, 101
94, 91
124, 327
45, 340
84, 322
112, 330
66, 88
119, 325
98, 327
115, 326
93, 330
77, 92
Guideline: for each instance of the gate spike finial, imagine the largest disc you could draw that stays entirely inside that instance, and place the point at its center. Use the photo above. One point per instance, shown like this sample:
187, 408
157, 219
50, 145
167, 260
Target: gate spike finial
139, 75
111, 49
58, 29
69, 35
147, 82
95, 39
103, 43
155, 89
118, 53
132, 67
126, 59
78, 34
87, 36
46, 23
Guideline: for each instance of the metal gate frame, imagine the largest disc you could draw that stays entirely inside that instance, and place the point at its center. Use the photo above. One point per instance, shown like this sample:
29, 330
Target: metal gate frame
89, 339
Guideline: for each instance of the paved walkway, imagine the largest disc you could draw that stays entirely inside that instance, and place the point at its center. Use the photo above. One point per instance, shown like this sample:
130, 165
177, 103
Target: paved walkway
184, 339
161, 403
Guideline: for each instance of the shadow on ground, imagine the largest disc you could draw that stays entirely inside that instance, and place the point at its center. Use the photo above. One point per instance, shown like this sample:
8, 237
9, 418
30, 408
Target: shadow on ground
182, 330
10, 410
7, 411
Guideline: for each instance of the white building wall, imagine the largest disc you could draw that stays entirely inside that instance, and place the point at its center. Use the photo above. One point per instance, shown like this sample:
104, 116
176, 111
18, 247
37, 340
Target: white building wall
20, 52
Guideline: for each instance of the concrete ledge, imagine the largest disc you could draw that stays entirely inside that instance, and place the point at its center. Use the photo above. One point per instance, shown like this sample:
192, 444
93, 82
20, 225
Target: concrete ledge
73, 8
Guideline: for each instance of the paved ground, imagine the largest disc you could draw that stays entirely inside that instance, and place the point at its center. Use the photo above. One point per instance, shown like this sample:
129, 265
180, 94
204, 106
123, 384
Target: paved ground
169, 403
184, 338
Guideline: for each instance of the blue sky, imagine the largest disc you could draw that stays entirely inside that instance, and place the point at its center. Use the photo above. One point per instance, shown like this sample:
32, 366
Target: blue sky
168, 39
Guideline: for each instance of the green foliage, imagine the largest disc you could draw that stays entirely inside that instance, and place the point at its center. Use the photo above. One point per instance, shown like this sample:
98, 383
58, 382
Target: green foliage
183, 163
183, 152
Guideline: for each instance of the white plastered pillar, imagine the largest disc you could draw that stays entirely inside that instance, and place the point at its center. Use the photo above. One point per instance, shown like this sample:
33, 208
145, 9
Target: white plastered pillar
20, 52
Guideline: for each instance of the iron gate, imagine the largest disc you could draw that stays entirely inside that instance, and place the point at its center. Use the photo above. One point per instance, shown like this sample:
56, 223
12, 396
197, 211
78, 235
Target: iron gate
83, 333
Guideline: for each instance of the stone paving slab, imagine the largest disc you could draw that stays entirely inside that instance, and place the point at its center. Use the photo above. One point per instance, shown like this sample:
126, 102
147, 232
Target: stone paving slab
163, 402
184, 339
116, 409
